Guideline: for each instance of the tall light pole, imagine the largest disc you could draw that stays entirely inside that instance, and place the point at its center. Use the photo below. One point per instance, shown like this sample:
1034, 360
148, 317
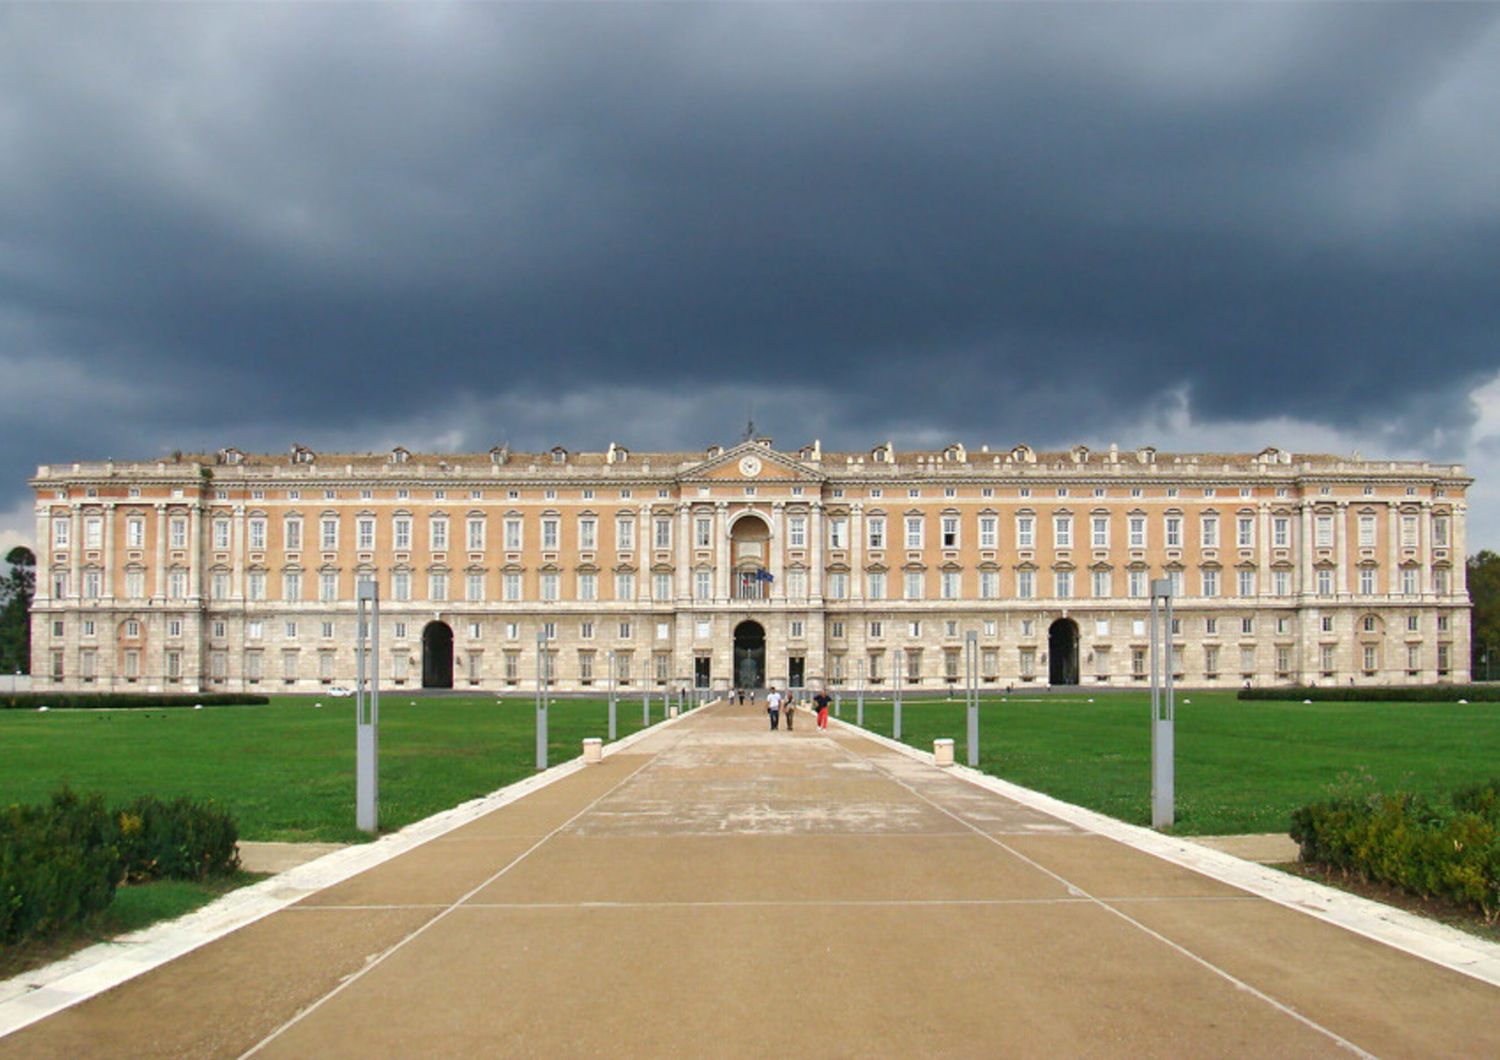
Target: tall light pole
541, 698
971, 692
1163, 707
367, 710
859, 697
612, 705
896, 704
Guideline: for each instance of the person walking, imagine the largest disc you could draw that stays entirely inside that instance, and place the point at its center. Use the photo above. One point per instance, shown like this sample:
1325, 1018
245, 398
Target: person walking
821, 702
789, 708
773, 706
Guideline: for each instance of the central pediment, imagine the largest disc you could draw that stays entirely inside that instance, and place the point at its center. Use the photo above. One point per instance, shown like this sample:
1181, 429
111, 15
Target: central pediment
751, 462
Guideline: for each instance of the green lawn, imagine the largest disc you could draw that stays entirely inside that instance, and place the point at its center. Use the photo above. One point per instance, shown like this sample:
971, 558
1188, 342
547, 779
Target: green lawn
286, 771
1241, 767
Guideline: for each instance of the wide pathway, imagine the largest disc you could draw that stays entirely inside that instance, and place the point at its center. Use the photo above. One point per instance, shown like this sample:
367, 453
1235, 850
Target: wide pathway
724, 890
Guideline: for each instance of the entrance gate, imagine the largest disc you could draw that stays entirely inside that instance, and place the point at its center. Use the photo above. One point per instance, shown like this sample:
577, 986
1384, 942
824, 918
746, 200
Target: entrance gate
749, 655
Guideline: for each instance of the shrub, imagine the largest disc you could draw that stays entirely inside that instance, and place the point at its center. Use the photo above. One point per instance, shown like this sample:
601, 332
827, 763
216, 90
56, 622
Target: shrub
182, 840
1447, 851
96, 700
59, 864
1377, 694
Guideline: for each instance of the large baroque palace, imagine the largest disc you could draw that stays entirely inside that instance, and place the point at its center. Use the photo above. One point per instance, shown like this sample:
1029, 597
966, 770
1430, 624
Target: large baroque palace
747, 565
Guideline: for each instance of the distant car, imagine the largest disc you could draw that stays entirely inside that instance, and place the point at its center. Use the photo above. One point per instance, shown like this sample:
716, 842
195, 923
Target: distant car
340, 692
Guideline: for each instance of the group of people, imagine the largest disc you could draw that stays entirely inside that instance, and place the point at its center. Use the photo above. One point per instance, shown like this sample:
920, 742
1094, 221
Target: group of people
779, 705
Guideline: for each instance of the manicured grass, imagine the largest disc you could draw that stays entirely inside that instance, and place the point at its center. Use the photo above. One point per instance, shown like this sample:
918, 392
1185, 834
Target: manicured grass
286, 771
1241, 767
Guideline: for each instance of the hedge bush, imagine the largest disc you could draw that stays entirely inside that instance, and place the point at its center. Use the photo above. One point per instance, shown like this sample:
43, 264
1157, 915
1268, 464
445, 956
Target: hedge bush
59, 865
1378, 693
86, 700
180, 840
1446, 850
60, 862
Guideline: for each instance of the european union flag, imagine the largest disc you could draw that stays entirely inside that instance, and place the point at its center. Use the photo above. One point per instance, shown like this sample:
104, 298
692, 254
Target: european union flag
764, 575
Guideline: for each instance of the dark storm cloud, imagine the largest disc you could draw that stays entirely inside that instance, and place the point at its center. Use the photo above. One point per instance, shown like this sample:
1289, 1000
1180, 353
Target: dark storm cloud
992, 222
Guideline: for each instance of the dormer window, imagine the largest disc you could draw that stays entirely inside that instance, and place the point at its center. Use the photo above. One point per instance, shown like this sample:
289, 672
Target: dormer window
301, 454
231, 456
400, 455
500, 454
559, 455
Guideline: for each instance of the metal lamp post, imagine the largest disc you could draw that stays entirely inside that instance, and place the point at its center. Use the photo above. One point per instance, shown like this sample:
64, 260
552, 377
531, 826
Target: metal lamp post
367, 711
1163, 707
612, 703
896, 687
541, 699
971, 692
859, 697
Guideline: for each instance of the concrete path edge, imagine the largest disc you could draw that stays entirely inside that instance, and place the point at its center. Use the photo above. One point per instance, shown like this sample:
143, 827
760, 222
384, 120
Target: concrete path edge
41, 992
1397, 928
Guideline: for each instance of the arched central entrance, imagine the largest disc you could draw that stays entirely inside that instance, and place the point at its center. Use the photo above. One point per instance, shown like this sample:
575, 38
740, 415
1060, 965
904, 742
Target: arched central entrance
437, 655
1062, 652
749, 655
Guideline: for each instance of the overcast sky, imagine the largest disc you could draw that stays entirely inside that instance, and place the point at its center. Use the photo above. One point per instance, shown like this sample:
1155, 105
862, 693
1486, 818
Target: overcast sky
1203, 226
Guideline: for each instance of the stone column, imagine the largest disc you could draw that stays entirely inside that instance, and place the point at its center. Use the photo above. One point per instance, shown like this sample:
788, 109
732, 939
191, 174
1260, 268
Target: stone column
1305, 551
684, 577
237, 542
1341, 550
721, 551
1263, 577
856, 553
108, 519
75, 553
644, 533
195, 554
815, 529
159, 575
776, 549
1458, 581
1393, 533
1424, 532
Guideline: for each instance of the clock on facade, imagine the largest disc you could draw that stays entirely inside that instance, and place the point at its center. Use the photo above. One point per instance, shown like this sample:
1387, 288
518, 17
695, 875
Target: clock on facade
750, 466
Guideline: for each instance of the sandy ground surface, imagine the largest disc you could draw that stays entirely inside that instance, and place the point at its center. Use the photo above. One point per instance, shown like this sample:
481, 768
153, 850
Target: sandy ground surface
278, 857
724, 890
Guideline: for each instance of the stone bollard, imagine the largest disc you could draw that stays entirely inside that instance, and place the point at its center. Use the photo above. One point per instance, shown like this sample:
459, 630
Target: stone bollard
672, 710
593, 750
942, 752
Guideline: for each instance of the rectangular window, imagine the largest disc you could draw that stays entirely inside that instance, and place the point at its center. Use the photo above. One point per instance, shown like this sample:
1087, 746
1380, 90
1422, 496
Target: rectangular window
475, 527
661, 586
1408, 531
703, 532
330, 534
437, 586
1062, 531
292, 532
1137, 531
624, 534
1210, 583
1325, 659
1025, 584
1325, 582
221, 533
950, 584
474, 586
875, 584
1246, 582
1440, 531
913, 531
838, 585
1137, 584
364, 533
1409, 581
624, 586
1281, 582
703, 584
401, 585
1100, 532
796, 531
875, 530
1174, 531
913, 584
663, 530
989, 584
1028, 662
1281, 531
176, 531
1367, 580
838, 532
1247, 626
513, 533
255, 585
1323, 531
1211, 660
1025, 531
989, 531
1210, 527
1283, 661
1366, 531
328, 586
588, 533
438, 535
1245, 531
1102, 583
401, 533
877, 630
1440, 581
1064, 583
60, 530
950, 531
1369, 658
549, 586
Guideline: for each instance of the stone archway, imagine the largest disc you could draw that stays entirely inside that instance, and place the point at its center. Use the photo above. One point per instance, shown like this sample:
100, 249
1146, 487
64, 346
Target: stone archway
749, 655
1062, 652
437, 655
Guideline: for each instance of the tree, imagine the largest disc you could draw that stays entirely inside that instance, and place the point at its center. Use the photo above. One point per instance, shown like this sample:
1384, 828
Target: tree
1484, 594
16, 589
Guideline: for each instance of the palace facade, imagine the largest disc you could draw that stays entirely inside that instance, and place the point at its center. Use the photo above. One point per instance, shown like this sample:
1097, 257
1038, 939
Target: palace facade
747, 565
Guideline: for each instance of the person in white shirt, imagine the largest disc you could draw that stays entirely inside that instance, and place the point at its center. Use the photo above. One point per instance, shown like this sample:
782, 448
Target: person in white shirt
773, 706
